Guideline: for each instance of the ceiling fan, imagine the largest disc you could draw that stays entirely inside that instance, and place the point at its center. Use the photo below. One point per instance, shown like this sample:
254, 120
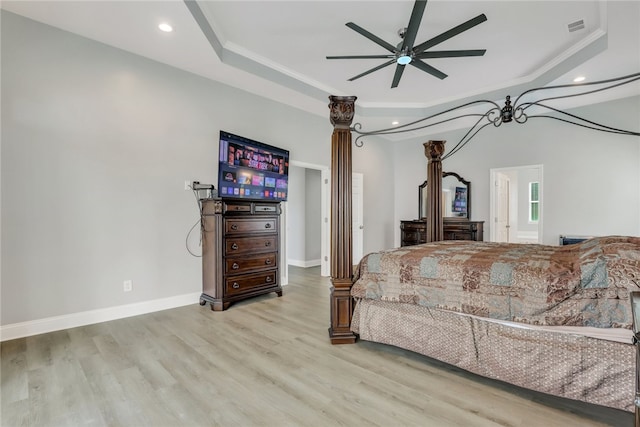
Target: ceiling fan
405, 53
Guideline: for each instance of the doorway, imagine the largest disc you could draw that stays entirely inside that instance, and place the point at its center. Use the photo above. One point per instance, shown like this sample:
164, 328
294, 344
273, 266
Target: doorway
516, 204
306, 217
296, 225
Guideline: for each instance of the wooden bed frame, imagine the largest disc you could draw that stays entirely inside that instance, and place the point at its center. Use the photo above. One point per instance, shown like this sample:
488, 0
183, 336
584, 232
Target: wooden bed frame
342, 109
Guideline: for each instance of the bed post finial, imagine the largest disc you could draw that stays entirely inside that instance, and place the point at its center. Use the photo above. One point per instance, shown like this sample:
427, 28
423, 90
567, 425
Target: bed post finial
434, 150
342, 111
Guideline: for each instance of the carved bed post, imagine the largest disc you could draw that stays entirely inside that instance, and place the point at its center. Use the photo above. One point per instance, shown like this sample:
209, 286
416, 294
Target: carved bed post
342, 110
433, 150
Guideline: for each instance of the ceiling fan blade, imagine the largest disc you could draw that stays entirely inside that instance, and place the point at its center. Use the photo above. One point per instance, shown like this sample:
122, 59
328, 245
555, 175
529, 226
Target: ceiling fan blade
358, 29
361, 57
451, 33
428, 69
397, 76
414, 24
372, 70
450, 53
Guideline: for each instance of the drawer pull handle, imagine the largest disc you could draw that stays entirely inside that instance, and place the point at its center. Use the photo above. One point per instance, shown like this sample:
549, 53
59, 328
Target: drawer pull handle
235, 266
267, 243
267, 225
267, 261
235, 285
268, 279
234, 246
234, 226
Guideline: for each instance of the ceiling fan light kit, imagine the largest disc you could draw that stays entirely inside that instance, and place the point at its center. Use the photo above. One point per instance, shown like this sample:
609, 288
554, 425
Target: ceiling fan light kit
403, 59
406, 53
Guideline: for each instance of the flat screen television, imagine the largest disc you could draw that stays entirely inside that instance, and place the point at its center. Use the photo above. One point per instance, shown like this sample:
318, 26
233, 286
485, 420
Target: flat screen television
250, 169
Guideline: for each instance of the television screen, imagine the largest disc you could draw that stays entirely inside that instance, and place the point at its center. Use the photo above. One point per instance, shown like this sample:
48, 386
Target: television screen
460, 200
250, 169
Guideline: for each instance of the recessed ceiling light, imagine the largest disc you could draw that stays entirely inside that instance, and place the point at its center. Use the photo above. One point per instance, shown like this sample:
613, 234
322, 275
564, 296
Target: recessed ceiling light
579, 79
165, 27
395, 123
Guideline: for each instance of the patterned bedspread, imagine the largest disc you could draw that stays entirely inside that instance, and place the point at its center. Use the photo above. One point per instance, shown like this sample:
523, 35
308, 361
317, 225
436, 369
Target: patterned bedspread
586, 284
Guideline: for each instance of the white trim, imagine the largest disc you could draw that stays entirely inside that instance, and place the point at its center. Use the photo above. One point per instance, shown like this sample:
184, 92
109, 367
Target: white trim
492, 197
325, 226
56, 323
304, 264
325, 205
527, 236
284, 230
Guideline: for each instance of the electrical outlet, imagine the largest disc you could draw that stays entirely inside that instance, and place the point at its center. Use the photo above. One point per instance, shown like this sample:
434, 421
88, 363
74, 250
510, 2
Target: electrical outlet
187, 185
127, 286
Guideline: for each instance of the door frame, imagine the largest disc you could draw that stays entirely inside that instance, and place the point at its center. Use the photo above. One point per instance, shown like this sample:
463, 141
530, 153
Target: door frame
493, 201
357, 257
325, 232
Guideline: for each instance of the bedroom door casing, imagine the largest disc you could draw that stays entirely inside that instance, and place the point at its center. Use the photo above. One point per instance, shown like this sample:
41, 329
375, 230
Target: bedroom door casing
521, 230
357, 219
325, 203
501, 219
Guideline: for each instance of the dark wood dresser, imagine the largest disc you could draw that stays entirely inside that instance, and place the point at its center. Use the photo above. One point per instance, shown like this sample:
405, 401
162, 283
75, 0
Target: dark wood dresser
415, 232
240, 255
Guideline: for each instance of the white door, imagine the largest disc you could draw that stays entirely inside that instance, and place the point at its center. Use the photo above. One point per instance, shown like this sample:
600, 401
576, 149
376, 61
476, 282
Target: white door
357, 221
325, 233
501, 221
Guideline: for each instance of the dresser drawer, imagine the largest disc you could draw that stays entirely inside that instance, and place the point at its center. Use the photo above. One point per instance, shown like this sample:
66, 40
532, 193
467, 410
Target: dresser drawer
237, 207
413, 226
414, 237
243, 245
242, 264
249, 282
465, 227
261, 209
252, 225
458, 235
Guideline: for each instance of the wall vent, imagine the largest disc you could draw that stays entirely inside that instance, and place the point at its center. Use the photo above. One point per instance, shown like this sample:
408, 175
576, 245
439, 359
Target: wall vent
576, 26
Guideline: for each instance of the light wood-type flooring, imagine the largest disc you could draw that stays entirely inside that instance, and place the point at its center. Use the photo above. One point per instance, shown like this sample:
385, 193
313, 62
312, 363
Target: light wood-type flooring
263, 362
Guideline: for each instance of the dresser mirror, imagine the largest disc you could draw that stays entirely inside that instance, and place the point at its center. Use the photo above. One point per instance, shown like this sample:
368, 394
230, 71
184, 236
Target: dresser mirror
456, 197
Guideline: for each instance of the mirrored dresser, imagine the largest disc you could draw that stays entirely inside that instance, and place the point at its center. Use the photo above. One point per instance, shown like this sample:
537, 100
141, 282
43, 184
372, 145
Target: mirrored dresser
457, 225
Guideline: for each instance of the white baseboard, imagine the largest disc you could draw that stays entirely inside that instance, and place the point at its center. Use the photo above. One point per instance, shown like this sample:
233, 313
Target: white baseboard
527, 236
56, 323
304, 264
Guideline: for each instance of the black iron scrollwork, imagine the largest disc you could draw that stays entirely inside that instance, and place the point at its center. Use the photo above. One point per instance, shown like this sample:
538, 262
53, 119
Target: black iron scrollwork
510, 113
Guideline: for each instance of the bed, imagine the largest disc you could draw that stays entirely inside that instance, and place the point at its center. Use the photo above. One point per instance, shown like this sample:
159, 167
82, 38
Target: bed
549, 318
558, 323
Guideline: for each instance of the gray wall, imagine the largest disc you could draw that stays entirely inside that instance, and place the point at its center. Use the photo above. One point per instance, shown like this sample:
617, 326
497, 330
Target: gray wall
96, 146
591, 179
374, 161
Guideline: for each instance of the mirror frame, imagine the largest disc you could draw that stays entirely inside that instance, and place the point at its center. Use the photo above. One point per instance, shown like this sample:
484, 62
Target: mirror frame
423, 187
